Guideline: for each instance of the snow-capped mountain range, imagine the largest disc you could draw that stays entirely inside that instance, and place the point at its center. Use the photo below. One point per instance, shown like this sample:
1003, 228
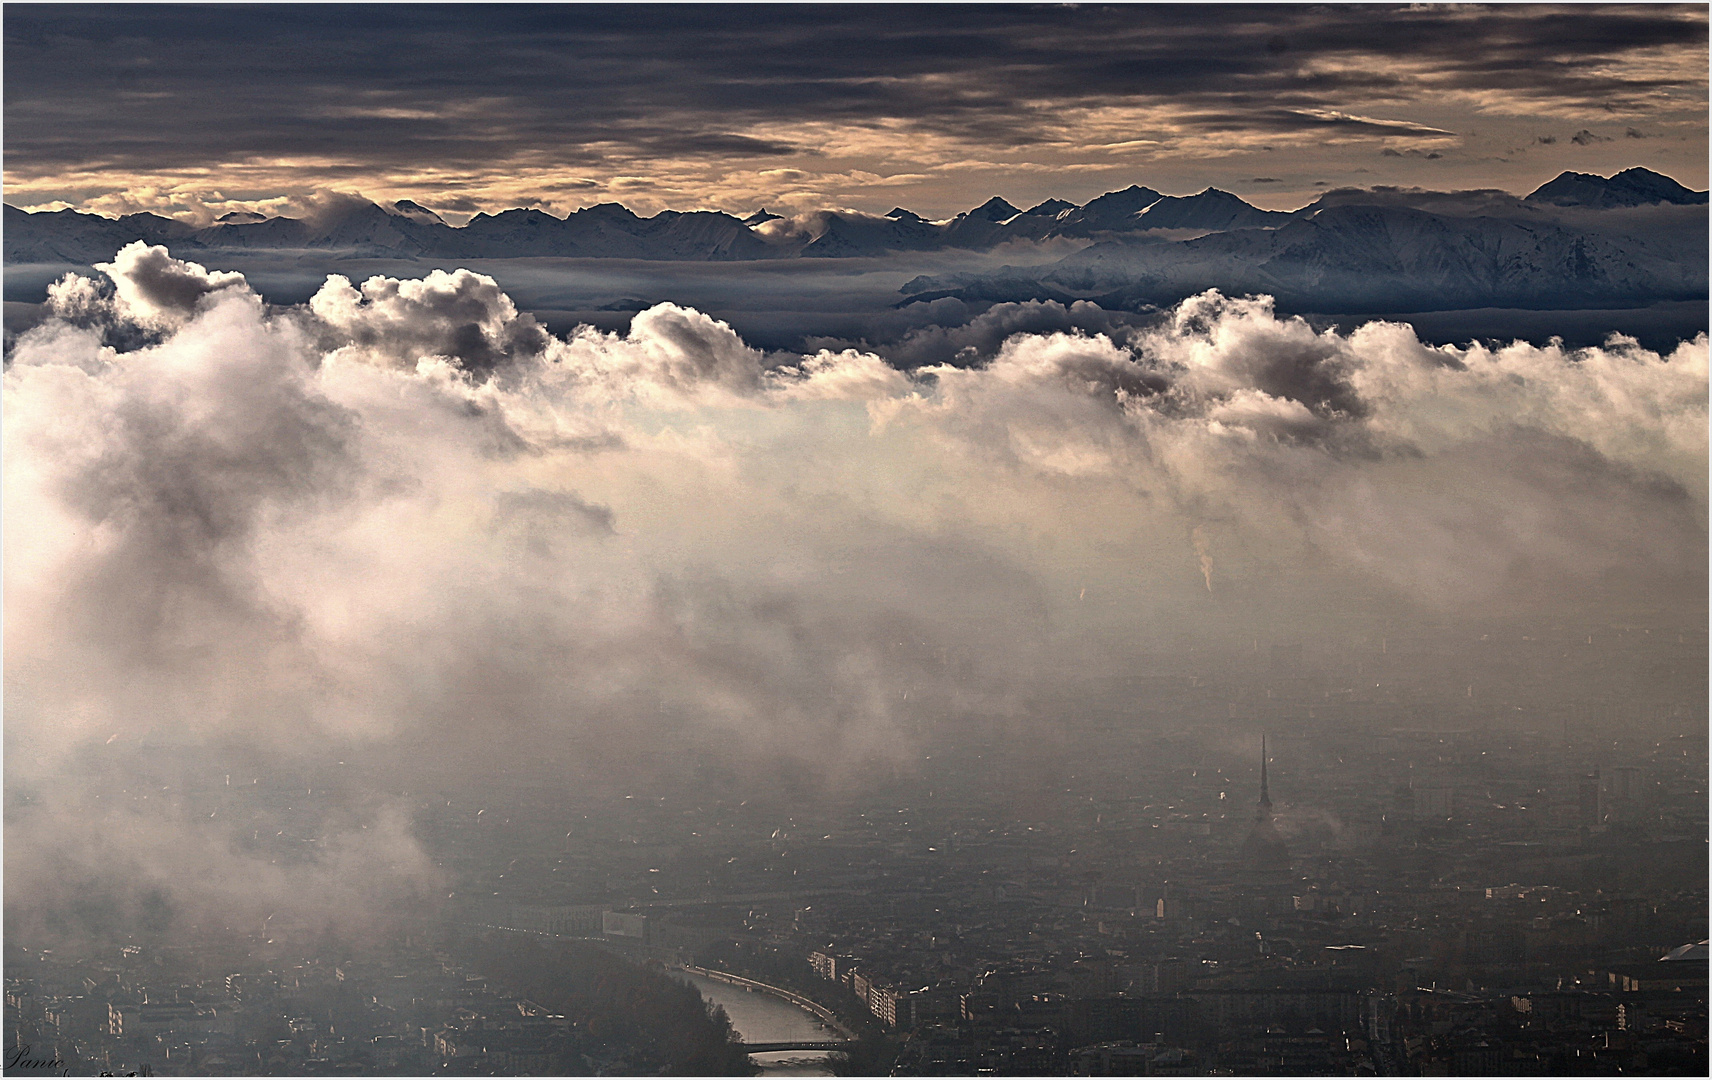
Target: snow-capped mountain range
1579, 240
1385, 256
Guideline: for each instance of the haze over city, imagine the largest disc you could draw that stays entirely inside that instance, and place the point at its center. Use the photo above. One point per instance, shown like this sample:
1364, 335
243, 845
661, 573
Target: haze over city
510, 503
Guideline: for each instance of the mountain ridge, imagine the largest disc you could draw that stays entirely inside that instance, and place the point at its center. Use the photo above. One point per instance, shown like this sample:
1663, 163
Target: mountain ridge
610, 230
1377, 258
1578, 241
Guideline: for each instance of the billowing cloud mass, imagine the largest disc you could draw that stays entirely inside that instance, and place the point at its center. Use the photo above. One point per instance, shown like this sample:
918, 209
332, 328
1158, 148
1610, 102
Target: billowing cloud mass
462, 316
151, 288
406, 517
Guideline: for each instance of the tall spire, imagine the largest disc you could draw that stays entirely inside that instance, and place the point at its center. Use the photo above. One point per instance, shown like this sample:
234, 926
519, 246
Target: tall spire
1265, 796
1264, 850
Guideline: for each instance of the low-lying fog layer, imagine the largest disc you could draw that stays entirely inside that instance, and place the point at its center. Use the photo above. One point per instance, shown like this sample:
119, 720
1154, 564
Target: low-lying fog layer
406, 518
809, 304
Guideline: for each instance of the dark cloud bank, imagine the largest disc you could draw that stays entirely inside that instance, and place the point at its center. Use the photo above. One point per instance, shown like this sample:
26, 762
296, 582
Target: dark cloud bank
391, 87
402, 536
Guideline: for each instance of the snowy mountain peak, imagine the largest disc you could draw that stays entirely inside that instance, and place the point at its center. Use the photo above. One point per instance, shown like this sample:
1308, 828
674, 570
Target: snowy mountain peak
1049, 208
994, 209
1631, 187
404, 208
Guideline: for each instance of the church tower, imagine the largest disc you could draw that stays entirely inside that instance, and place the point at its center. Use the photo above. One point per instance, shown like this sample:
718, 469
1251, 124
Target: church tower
1264, 850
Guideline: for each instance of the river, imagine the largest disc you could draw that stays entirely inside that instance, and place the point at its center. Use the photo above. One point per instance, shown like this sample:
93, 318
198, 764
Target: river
761, 1017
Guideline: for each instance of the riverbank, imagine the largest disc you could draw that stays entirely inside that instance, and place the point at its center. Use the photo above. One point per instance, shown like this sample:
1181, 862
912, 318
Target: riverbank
759, 1016
819, 1011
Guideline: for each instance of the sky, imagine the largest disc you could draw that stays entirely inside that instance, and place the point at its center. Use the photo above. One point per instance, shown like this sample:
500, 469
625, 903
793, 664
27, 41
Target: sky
197, 110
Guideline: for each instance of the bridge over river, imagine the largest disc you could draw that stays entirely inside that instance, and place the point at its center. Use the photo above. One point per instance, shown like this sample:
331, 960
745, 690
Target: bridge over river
775, 1047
